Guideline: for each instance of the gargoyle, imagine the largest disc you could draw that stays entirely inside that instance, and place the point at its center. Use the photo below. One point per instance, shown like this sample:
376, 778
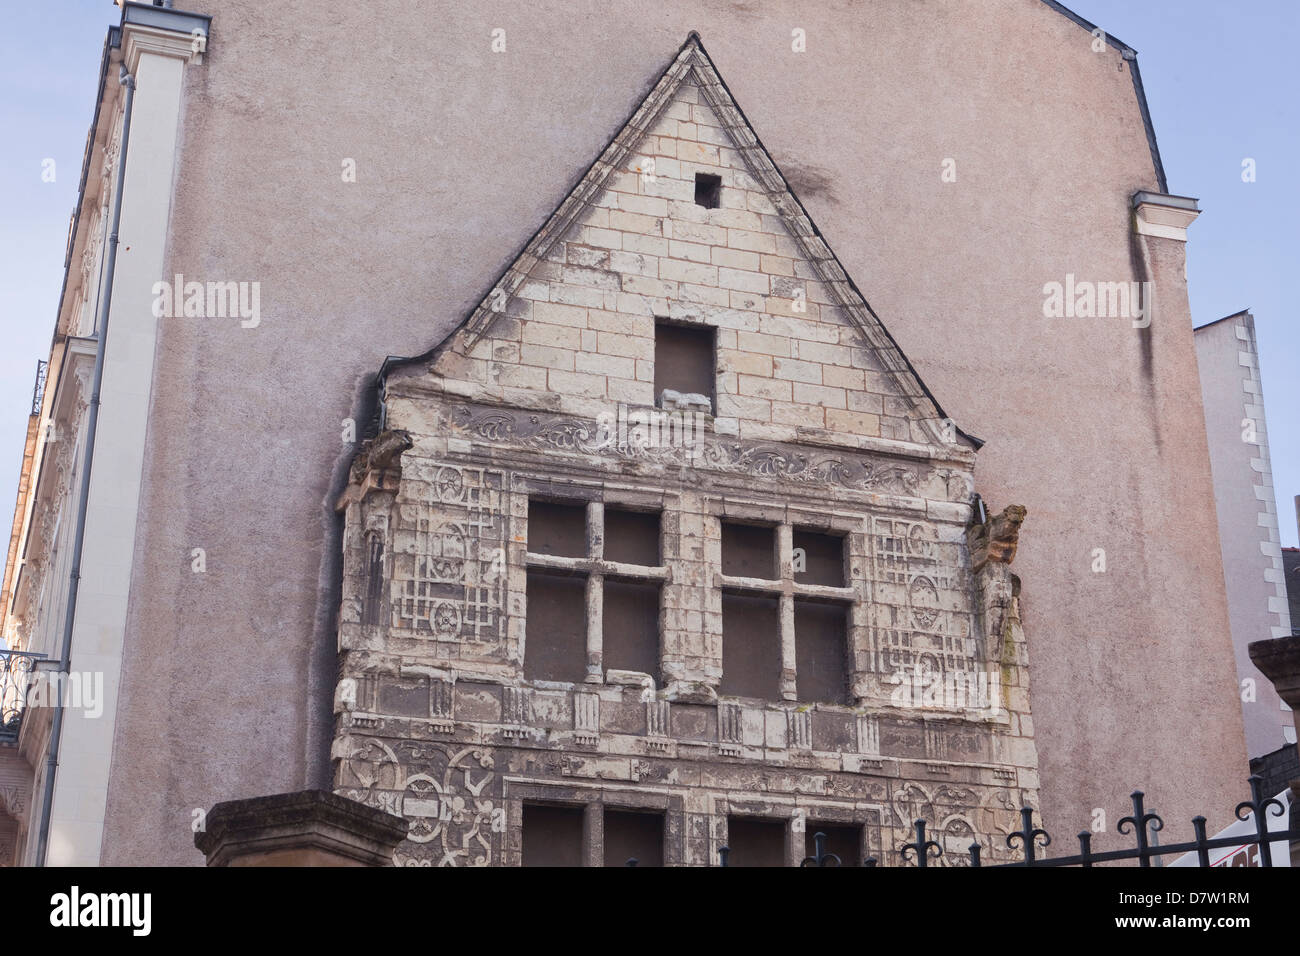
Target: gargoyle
378, 453
995, 539
376, 466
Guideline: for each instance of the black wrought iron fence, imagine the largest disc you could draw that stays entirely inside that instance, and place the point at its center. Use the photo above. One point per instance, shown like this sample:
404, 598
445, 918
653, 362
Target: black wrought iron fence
1143, 824
15, 670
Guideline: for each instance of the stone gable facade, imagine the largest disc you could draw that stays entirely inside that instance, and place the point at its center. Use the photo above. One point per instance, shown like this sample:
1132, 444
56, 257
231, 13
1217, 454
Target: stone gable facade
382, 214
896, 685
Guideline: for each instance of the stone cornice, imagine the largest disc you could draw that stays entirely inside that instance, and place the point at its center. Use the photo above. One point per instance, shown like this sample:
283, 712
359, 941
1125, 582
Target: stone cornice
1156, 214
307, 820
162, 31
904, 480
1279, 660
948, 453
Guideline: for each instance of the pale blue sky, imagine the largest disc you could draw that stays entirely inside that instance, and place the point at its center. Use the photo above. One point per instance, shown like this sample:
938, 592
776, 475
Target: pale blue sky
1221, 80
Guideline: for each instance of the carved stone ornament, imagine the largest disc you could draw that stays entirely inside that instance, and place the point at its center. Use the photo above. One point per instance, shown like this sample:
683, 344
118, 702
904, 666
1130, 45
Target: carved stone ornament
996, 538
765, 460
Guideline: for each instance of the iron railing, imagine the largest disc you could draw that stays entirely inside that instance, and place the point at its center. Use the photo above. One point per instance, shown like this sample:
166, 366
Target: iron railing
15, 671
1143, 824
38, 390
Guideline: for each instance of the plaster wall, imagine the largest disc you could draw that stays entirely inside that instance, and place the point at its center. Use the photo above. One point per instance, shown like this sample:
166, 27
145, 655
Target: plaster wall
1248, 519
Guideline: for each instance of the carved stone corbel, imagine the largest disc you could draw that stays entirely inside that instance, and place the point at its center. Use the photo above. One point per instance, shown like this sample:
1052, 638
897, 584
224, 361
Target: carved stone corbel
992, 544
995, 539
376, 467
14, 802
373, 482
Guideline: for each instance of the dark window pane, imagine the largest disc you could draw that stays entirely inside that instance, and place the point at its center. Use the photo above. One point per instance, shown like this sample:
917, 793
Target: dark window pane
552, 836
755, 842
557, 529
844, 842
629, 834
751, 646
822, 558
684, 359
748, 551
555, 641
708, 190
819, 651
630, 627
632, 537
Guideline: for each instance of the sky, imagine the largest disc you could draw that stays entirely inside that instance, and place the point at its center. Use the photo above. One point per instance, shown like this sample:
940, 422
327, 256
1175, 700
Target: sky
1221, 81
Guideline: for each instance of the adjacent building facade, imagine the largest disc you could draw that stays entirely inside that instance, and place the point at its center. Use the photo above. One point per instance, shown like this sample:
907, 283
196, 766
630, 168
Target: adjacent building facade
1253, 567
495, 583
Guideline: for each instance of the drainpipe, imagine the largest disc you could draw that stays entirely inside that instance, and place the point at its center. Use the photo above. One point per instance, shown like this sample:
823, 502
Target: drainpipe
79, 536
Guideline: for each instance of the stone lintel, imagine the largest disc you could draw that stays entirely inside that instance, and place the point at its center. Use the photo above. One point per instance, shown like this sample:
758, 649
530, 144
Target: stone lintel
307, 828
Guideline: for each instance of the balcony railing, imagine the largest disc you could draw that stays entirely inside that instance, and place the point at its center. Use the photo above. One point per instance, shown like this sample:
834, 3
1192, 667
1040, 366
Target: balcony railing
38, 390
15, 672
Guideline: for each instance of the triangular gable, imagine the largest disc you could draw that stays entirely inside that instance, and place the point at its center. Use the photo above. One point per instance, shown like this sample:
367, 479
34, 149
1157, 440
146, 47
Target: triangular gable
692, 64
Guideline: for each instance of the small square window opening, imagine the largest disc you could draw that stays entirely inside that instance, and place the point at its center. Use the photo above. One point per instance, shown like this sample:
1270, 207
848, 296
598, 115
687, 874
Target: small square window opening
708, 190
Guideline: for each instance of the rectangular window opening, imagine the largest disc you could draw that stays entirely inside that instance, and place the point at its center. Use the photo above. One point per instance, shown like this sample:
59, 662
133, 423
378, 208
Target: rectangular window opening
749, 551
751, 646
630, 627
755, 842
844, 841
632, 537
685, 363
558, 529
820, 645
708, 190
555, 640
633, 835
820, 556
552, 836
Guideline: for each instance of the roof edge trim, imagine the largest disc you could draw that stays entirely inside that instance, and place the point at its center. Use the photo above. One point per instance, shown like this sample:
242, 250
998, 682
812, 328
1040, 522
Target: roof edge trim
1129, 54
1236, 315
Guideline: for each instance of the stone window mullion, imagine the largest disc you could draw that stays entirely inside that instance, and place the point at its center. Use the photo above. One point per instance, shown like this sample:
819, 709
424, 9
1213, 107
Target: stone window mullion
789, 681
862, 654
595, 592
785, 571
593, 834
595, 615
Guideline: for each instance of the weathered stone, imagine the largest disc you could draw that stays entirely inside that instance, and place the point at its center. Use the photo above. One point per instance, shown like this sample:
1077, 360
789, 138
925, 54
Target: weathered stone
933, 661
309, 828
